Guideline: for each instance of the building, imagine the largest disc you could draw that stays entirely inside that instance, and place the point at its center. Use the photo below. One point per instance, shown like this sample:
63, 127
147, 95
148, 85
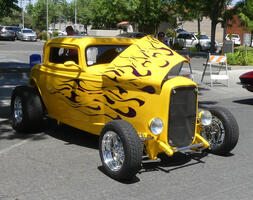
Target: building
233, 27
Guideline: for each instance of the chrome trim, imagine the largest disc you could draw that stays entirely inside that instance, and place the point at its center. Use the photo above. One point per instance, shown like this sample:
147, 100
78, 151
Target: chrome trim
189, 147
113, 151
18, 110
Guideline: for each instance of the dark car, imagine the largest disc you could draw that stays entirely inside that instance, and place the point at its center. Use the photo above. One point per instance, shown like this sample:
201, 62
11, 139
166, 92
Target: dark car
6, 33
179, 30
16, 29
132, 35
247, 81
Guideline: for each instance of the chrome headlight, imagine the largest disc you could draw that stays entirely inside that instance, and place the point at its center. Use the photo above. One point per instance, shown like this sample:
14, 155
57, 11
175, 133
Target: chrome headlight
156, 126
205, 117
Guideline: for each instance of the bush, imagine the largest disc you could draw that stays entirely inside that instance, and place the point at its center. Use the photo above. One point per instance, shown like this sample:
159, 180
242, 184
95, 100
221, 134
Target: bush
239, 56
43, 35
171, 33
55, 33
176, 46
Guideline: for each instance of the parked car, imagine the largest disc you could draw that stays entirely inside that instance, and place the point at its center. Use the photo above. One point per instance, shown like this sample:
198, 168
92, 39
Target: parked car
111, 87
60, 33
235, 38
132, 35
16, 29
27, 34
179, 30
247, 81
7, 33
185, 39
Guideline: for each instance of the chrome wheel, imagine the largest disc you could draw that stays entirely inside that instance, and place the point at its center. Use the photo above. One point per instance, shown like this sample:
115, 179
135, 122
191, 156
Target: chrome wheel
214, 133
112, 151
18, 110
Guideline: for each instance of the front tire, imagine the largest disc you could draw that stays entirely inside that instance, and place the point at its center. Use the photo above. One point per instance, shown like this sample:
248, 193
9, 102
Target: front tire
223, 133
26, 109
120, 150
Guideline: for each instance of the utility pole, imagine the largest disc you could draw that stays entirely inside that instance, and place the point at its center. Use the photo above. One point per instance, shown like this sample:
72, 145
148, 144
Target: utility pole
47, 20
224, 28
23, 16
75, 15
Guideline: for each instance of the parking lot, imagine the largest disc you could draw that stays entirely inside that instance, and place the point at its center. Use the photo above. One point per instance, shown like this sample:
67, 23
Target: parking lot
60, 162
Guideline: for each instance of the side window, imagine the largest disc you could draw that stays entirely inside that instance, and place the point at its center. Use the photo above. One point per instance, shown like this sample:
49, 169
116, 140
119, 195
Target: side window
101, 54
188, 37
61, 55
180, 36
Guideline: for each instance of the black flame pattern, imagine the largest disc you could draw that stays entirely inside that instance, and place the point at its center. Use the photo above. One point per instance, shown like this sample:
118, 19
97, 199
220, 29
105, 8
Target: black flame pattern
112, 99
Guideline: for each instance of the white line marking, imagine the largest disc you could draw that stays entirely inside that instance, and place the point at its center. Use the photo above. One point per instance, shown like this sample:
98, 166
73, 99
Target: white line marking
6, 150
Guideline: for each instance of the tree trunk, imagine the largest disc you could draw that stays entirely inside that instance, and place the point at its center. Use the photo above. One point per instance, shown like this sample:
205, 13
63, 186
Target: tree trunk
198, 26
213, 33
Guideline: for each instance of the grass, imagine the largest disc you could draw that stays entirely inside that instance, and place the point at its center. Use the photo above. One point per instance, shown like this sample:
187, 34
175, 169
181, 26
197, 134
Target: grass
239, 56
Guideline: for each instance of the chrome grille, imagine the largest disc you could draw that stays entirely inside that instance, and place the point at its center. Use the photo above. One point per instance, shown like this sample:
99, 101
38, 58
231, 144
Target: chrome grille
182, 116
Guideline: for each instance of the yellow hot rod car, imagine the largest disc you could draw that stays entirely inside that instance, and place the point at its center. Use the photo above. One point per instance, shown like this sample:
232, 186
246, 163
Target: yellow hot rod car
128, 91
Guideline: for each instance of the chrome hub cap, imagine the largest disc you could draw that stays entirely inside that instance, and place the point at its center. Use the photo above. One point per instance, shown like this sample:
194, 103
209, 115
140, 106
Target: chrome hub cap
18, 110
214, 133
112, 151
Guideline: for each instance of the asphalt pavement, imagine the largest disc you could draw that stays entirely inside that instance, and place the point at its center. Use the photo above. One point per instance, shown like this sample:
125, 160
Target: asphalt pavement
63, 163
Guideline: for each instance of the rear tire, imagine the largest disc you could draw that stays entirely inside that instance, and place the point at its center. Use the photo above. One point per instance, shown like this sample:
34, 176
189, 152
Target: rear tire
223, 133
120, 150
26, 109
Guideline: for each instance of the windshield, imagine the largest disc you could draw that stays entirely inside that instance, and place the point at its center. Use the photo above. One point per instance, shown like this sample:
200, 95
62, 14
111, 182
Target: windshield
101, 54
204, 37
27, 31
181, 69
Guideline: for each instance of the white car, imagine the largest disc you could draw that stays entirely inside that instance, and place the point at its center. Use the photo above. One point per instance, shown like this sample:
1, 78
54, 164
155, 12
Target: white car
189, 40
27, 34
235, 38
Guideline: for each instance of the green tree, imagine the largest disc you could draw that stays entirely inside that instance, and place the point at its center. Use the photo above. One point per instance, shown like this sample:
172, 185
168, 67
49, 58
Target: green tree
216, 11
213, 9
7, 6
107, 13
84, 13
245, 10
12, 20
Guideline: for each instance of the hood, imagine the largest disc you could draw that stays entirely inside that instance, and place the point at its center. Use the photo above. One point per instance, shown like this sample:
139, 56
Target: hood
29, 34
247, 78
144, 65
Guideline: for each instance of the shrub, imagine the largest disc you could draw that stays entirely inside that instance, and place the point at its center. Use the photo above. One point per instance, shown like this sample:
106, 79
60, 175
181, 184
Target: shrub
170, 33
193, 49
55, 33
43, 35
239, 56
176, 46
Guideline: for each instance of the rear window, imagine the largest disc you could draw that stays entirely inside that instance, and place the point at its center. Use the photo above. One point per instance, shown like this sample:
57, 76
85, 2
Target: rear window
101, 54
235, 36
61, 55
27, 31
204, 37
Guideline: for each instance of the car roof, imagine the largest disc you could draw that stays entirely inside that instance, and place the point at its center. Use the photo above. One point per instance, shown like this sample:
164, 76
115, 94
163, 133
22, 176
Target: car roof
92, 40
184, 33
132, 34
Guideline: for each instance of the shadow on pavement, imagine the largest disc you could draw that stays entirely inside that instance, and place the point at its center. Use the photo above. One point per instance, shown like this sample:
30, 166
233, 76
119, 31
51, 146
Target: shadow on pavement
206, 104
71, 135
177, 161
14, 67
245, 101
